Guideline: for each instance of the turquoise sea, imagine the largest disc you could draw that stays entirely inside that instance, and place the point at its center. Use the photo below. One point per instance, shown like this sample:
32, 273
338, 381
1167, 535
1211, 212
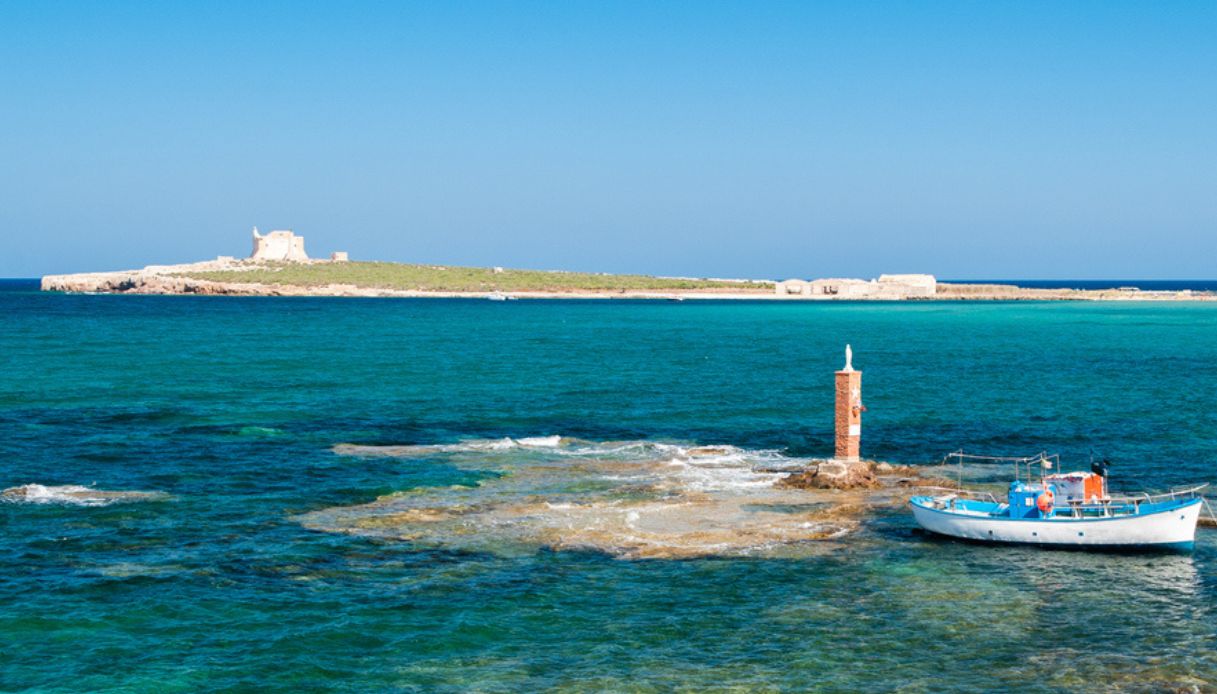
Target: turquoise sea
456, 545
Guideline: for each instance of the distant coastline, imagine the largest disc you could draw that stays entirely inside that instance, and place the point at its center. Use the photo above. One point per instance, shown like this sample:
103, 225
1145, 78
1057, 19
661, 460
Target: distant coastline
228, 277
1092, 284
1194, 285
279, 265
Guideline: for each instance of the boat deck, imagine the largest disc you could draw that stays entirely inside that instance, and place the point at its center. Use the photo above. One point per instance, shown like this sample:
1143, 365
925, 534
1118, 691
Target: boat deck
1073, 511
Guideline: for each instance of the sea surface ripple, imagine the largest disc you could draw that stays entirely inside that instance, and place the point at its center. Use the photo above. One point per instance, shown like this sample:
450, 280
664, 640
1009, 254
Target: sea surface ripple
263, 430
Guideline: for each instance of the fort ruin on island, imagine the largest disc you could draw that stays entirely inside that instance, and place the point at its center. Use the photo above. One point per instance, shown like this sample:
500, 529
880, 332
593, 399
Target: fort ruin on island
285, 245
278, 245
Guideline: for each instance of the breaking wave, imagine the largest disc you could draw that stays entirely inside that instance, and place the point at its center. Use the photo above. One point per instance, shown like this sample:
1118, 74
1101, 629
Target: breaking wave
259, 431
73, 495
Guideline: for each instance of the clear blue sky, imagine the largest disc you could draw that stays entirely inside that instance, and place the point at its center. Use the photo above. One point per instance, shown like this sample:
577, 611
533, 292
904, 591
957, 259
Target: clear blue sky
972, 139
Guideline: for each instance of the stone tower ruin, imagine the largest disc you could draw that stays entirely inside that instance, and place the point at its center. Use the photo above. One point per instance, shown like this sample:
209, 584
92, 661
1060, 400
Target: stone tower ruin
278, 245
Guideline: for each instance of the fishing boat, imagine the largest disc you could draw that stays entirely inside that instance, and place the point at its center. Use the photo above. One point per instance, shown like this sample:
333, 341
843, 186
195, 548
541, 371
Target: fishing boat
1073, 509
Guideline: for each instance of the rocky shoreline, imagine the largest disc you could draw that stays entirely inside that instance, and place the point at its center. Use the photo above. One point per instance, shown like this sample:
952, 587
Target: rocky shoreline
178, 280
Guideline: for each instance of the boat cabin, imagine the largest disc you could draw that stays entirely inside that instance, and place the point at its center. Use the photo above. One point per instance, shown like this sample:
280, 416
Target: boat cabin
1024, 500
1078, 487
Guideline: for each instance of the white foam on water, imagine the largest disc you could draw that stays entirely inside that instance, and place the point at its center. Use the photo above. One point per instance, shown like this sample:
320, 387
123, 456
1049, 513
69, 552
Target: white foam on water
465, 446
40, 494
72, 495
556, 443
692, 467
540, 441
719, 468
722, 479
133, 570
496, 445
259, 431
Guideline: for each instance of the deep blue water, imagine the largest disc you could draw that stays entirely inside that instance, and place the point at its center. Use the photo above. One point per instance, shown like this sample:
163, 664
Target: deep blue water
230, 407
1146, 285
8, 284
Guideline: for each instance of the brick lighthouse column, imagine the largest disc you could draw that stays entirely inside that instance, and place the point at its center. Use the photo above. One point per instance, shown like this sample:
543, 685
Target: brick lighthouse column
848, 424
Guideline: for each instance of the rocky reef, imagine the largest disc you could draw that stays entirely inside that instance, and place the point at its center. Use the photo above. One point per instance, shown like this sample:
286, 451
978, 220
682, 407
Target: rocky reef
628, 499
176, 279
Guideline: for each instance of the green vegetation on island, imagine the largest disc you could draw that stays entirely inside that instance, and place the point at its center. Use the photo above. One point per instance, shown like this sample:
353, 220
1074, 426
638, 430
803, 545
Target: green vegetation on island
442, 278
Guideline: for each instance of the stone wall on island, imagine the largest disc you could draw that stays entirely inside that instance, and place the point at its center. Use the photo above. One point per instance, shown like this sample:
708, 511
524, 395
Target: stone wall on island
887, 287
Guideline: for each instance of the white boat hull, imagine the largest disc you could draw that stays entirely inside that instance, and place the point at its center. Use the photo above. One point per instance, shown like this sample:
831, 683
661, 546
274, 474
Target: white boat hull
1170, 529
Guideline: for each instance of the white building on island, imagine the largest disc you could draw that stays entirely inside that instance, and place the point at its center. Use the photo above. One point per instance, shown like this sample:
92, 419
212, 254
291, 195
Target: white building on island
887, 287
278, 245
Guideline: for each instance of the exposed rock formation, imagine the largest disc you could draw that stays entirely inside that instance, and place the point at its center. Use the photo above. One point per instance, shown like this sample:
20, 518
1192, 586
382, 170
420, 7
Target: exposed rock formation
835, 474
154, 279
866, 474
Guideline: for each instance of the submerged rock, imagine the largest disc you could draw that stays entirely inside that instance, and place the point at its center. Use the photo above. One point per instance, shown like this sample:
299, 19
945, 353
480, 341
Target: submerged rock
928, 482
887, 469
628, 499
834, 474
703, 451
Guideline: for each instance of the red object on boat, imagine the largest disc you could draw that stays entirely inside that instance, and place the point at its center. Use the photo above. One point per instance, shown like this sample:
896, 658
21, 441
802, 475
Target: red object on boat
1044, 501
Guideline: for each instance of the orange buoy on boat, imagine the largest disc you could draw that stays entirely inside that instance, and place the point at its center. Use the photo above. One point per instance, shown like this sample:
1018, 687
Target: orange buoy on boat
1044, 501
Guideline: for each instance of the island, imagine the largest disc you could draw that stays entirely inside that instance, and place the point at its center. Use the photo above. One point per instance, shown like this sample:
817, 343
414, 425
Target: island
279, 266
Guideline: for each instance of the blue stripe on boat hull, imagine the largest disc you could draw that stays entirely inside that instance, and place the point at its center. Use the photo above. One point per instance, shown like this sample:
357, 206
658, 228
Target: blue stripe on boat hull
1165, 547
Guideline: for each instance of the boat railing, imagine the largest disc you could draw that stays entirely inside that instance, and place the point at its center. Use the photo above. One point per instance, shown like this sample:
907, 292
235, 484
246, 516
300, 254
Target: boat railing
1024, 466
1128, 503
966, 492
1147, 498
1024, 459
